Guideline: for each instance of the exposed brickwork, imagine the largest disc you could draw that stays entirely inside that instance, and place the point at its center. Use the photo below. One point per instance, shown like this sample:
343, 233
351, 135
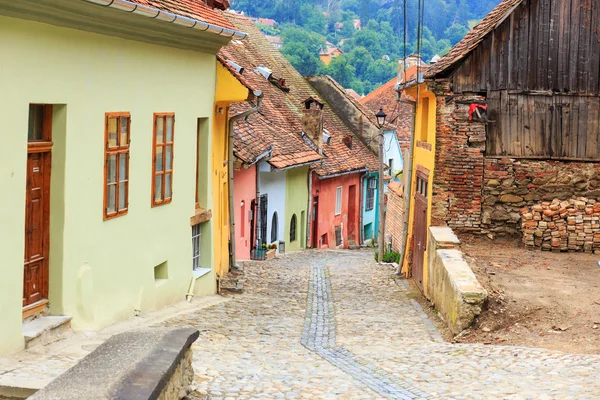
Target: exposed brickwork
458, 178
568, 225
394, 217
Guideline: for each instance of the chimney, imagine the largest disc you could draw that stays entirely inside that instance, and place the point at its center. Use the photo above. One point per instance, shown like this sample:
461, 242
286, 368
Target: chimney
401, 71
312, 122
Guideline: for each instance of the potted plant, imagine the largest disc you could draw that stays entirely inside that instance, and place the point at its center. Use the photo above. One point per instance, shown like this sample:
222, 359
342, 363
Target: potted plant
272, 252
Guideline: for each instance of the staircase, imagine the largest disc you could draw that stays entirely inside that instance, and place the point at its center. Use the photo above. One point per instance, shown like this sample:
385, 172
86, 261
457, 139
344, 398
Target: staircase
46, 329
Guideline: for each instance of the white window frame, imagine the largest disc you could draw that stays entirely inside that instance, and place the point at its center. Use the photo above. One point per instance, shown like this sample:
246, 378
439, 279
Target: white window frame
196, 237
338, 200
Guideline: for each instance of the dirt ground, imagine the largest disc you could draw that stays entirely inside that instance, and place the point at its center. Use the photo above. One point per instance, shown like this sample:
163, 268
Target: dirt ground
536, 299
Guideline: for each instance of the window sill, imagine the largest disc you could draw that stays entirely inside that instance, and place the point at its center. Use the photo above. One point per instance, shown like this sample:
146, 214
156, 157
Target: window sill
201, 215
200, 272
424, 145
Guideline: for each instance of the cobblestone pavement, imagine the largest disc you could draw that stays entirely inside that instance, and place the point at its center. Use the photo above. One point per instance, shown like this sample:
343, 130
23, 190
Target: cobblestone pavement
325, 325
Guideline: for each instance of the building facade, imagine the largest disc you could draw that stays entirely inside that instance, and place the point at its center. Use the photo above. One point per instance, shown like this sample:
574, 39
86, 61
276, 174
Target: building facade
103, 169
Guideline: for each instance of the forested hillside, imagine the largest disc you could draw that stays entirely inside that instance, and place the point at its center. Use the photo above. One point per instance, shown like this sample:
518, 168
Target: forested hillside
371, 52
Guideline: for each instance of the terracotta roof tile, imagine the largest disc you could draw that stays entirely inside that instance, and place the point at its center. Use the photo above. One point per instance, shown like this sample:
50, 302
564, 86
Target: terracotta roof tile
473, 38
399, 114
194, 9
280, 120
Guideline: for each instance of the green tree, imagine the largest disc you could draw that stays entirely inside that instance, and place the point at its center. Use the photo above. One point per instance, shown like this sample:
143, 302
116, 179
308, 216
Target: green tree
381, 71
455, 33
361, 59
341, 70
306, 62
313, 19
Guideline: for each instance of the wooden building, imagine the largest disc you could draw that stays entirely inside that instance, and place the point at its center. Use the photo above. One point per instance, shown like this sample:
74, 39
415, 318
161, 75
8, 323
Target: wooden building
508, 119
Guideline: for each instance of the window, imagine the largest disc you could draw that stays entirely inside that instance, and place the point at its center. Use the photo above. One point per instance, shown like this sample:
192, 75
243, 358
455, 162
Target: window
338, 236
391, 164
274, 228
196, 246
422, 187
338, 200
116, 164
371, 186
293, 229
162, 158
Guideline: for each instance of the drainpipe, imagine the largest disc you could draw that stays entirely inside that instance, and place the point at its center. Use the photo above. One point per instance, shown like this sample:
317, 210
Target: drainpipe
407, 189
309, 210
362, 208
259, 95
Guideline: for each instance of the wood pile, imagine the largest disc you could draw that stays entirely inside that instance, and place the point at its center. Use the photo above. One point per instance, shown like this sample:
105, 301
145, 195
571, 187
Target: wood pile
569, 225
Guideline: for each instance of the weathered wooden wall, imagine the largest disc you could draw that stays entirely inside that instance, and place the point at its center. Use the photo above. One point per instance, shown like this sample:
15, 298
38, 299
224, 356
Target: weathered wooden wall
540, 70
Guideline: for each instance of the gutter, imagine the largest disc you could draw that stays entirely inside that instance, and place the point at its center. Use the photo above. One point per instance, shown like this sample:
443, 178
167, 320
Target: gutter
343, 173
259, 96
296, 165
266, 154
153, 13
407, 189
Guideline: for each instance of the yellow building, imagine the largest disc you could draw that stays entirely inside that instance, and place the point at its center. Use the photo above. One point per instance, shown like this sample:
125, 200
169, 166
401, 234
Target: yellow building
106, 154
228, 90
419, 218
329, 53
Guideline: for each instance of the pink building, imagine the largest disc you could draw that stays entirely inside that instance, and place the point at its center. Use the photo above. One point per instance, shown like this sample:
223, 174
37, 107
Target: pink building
244, 195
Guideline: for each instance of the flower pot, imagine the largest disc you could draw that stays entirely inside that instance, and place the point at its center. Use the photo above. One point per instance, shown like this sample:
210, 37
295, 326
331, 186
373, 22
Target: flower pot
271, 254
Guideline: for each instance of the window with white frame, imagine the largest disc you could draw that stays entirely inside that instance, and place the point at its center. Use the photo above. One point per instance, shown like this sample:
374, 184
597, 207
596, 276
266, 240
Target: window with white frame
338, 200
371, 186
196, 246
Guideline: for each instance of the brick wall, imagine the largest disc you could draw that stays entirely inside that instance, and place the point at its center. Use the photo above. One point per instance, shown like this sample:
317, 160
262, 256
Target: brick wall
458, 176
512, 184
394, 217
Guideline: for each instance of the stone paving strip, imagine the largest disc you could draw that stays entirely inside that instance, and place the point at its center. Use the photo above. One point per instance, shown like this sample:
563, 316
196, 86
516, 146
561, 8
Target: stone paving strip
319, 336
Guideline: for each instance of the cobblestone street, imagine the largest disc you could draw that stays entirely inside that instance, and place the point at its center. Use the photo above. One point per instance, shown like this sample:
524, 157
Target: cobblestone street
330, 324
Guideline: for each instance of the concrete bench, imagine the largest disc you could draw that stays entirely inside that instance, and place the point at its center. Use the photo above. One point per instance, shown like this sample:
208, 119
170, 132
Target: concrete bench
146, 364
452, 285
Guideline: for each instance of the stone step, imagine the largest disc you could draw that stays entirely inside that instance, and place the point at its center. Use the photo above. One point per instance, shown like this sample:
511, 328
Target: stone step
44, 330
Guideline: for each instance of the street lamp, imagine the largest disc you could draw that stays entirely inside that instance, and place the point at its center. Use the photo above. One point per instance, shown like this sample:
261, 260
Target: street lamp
381, 118
381, 122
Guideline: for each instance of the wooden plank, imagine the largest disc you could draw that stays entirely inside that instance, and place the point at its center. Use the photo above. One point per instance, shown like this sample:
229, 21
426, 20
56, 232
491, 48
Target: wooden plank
513, 46
521, 119
574, 45
583, 66
550, 149
507, 145
503, 50
594, 59
553, 45
593, 115
543, 43
573, 126
522, 70
492, 141
563, 45
557, 137
517, 140
532, 56
493, 82
582, 129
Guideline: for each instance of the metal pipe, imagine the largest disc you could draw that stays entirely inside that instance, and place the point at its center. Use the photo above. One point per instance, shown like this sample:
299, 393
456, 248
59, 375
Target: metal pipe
380, 198
407, 189
309, 211
232, 120
149, 12
266, 154
361, 206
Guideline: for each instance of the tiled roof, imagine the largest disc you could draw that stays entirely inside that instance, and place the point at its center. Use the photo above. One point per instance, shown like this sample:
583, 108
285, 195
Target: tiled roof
194, 9
473, 38
280, 119
399, 114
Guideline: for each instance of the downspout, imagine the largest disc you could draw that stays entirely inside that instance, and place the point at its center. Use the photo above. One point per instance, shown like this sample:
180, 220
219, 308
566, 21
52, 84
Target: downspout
259, 96
362, 208
407, 189
309, 209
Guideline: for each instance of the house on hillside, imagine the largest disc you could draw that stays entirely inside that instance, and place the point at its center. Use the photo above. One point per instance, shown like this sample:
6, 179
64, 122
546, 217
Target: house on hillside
330, 52
107, 183
311, 164
508, 119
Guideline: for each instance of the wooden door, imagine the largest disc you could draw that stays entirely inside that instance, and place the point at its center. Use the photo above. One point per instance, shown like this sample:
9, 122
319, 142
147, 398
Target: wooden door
315, 223
37, 206
252, 223
352, 214
420, 230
